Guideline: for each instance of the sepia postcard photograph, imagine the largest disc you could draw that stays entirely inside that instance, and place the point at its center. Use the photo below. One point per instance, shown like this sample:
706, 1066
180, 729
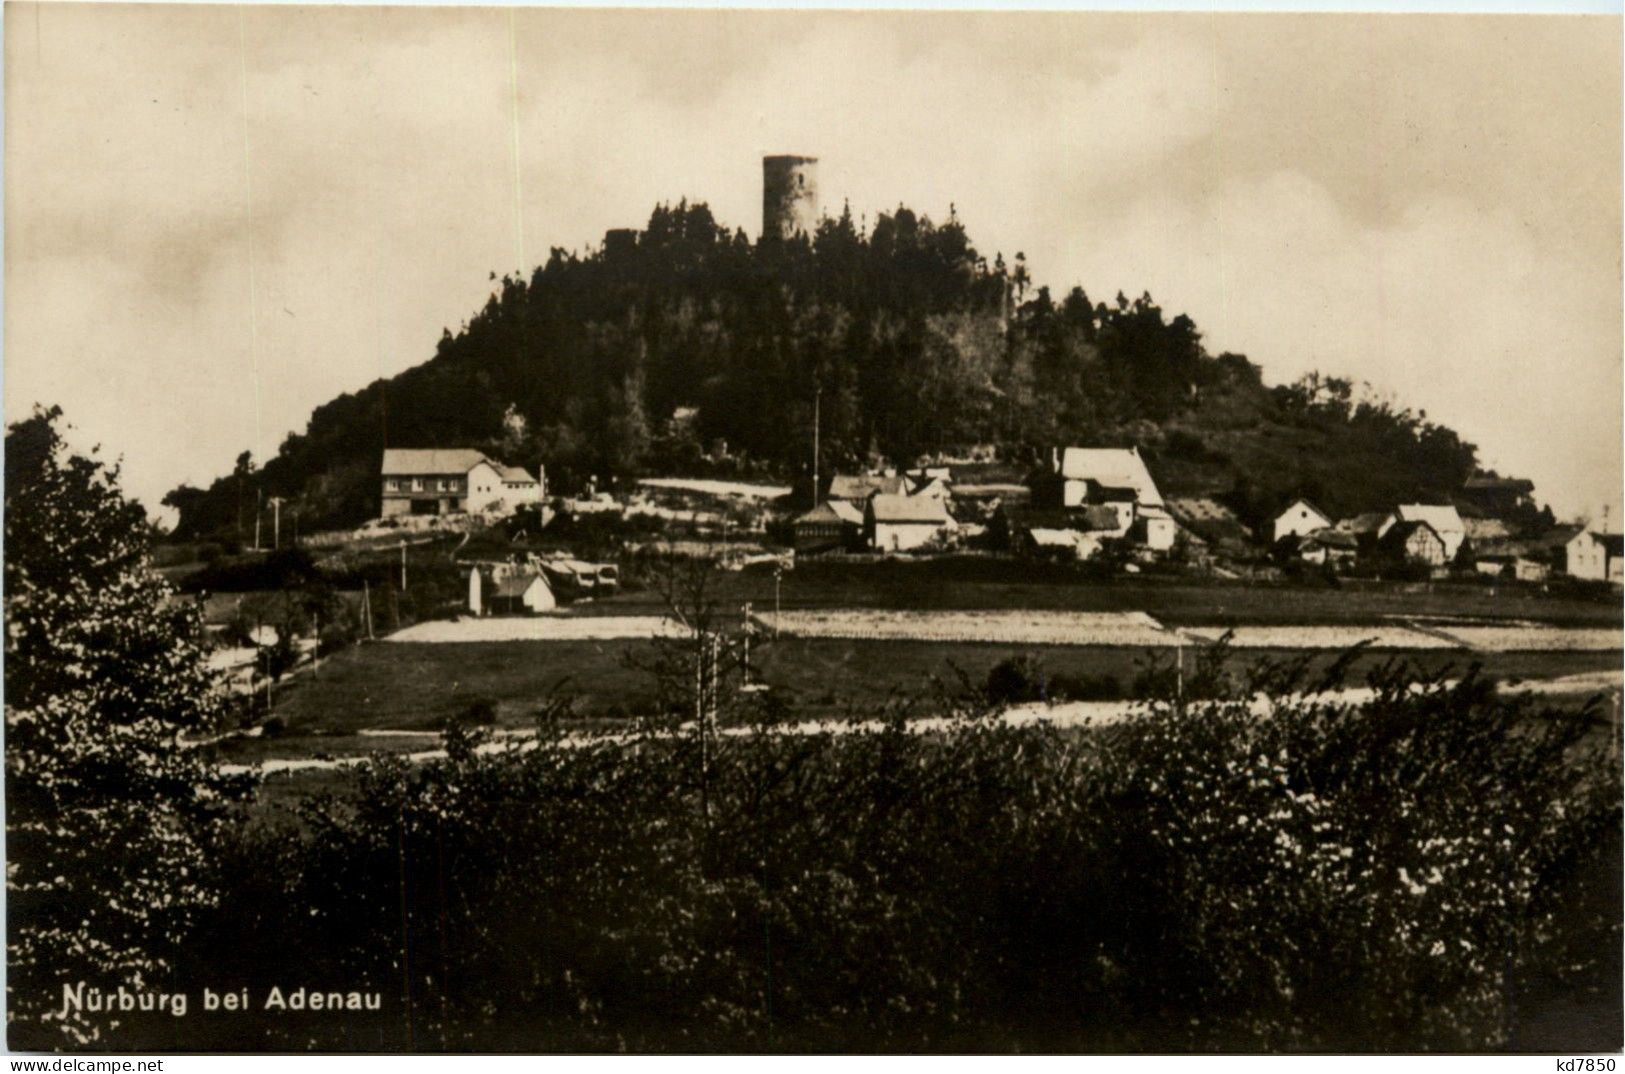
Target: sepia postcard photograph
713, 531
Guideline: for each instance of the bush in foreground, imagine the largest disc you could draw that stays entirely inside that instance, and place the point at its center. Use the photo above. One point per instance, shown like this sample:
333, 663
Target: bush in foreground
1215, 874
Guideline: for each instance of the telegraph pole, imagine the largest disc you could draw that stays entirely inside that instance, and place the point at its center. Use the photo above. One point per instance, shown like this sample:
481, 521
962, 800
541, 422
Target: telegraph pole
276, 521
778, 575
818, 393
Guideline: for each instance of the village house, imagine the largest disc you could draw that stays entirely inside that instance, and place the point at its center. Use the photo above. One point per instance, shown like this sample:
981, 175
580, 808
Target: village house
857, 488
1442, 519
1213, 523
1498, 496
1300, 519
1055, 534
1103, 492
1080, 476
1326, 545
508, 589
896, 523
834, 525
1596, 556
1414, 541
1507, 562
443, 481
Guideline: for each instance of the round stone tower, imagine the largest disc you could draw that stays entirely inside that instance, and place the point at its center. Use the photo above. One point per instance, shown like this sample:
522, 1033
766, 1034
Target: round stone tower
789, 196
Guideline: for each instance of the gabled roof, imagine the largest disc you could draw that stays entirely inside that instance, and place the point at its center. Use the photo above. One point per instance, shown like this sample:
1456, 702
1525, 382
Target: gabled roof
1366, 523
1200, 509
517, 474
1400, 532
926, 486
1444, 518
1613, 544
889, 508
1333, 538
1557, 536
424, 461
1487, 529
862, 486
1309, 504
831, 512
1112, 468
516, 583
1049, 538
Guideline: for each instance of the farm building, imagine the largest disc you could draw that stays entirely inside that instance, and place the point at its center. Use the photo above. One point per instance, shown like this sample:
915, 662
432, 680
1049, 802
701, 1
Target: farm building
443, 481
1414, 541
1443, 519
1055, 533
1078, 476
903, 523
1507, 564
832, 525
1498, 496
1300, 519
1325, 545
505, 589
1042, 542
1211, 521
1596, 556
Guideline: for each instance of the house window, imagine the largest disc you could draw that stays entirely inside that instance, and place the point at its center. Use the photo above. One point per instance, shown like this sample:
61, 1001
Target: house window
417, 484
448, 484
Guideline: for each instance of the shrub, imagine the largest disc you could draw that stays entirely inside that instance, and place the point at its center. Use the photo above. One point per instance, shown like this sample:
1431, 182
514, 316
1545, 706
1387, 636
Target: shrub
1208, 875
480, 712
1016, 679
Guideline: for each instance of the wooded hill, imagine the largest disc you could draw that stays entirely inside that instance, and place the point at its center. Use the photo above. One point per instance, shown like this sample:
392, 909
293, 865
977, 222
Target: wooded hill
911, 342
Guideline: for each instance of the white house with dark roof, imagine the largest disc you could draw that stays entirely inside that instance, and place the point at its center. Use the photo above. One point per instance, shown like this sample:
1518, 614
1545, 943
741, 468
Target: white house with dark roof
443, 481
1300, 519
1099, 475
1443, 519
1596, 556
895, 523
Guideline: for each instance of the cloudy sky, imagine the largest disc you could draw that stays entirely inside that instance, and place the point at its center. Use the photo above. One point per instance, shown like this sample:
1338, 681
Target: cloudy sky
218, 218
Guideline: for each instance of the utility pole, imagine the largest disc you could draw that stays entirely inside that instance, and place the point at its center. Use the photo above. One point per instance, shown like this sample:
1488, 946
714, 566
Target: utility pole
747, 644
366, 606
1179, 677
276, 521
778, 575
699, 719
403, 565
259, 509
818, 394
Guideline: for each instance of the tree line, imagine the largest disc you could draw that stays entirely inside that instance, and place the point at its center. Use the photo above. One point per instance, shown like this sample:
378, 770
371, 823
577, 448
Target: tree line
693, 348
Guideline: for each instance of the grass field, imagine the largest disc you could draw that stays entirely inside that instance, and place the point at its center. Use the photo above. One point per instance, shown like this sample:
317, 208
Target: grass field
971, 582
417, 687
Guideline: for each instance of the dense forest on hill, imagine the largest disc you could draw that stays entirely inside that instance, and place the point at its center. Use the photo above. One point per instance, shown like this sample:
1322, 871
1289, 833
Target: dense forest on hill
648, 353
